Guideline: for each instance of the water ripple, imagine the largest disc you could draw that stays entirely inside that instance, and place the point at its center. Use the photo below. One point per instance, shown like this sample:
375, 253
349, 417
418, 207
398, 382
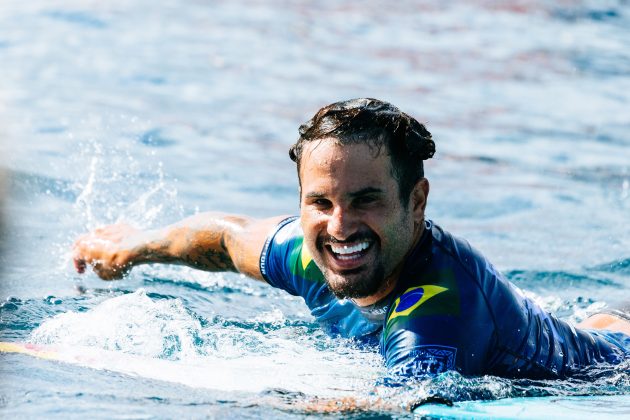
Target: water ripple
77, 17
31, 183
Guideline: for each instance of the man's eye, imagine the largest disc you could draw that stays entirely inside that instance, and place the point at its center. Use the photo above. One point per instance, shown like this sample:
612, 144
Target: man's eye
362, 201
321, 202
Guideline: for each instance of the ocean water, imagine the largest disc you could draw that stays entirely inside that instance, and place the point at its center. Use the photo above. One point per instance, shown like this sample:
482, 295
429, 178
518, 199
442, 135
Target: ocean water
146, 112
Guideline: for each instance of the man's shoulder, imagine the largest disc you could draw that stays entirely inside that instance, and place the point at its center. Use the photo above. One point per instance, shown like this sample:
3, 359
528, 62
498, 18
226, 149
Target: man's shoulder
440, 312
285, 257
456, 249
455, 253
444, 277
431, 283
288, 229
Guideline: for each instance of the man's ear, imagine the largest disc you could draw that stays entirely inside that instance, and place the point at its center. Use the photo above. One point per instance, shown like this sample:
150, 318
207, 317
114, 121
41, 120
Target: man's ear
419, 197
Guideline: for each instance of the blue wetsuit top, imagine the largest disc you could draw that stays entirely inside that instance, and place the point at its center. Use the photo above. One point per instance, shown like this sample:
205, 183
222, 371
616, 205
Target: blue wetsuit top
450, 310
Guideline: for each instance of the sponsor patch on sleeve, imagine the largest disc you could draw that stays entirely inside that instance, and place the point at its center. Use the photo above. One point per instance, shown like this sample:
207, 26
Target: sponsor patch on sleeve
428, 359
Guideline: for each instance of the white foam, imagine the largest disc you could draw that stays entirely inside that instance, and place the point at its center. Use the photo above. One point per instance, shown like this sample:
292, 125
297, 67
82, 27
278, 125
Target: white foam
132, 323
159, 339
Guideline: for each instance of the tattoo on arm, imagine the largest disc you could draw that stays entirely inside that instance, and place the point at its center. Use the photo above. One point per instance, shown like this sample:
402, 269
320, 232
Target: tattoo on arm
210, 252
209, 245
210, 260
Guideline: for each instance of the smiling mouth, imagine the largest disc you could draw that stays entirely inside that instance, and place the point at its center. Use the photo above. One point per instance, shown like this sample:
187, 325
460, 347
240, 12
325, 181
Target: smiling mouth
349, 254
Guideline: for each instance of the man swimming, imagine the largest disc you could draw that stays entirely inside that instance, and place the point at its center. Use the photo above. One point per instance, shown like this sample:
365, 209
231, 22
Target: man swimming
367, 262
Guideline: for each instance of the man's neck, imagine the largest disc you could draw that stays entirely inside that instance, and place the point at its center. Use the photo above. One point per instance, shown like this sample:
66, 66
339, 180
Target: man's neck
392, 280
389, 286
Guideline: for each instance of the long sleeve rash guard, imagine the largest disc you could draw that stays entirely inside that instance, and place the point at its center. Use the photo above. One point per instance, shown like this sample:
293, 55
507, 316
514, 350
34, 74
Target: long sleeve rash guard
450, 310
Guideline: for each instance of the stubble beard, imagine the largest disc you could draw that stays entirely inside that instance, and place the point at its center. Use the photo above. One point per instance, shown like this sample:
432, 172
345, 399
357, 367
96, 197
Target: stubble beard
355, 284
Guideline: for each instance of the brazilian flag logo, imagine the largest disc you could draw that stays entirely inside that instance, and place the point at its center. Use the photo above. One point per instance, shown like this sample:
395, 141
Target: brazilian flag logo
438, 296
413, 298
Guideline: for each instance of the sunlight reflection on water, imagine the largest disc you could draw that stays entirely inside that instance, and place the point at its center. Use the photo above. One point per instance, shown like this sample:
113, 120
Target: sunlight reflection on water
148, 112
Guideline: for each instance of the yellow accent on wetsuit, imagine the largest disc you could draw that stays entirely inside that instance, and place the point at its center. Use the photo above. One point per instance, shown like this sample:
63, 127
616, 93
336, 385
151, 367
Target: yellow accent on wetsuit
429, 291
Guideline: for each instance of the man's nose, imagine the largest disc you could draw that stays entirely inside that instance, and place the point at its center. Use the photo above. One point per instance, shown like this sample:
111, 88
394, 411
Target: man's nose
341, 224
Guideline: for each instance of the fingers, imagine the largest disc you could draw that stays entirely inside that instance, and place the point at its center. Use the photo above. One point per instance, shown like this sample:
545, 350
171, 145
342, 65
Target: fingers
80, 256
79, 265
107, 273
91, 250
102, 249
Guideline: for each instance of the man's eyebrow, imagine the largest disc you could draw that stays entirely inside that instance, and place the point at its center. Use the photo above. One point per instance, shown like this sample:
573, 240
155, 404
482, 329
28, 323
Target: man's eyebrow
366, 191
314, 195
363, 191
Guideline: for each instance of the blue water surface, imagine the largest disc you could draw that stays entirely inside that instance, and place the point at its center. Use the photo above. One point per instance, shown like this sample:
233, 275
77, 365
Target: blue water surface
146, 112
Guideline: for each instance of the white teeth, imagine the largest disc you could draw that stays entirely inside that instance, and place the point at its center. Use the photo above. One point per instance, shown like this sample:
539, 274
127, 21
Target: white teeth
345, 249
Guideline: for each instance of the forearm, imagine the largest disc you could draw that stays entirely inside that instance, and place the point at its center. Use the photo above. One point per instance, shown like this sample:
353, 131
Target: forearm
205, 241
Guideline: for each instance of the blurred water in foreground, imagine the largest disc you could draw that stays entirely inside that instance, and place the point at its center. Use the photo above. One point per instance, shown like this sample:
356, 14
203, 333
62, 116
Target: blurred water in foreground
148, 112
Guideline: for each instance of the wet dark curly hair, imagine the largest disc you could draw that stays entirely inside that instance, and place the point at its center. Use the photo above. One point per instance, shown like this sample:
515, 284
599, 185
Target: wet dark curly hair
377, 124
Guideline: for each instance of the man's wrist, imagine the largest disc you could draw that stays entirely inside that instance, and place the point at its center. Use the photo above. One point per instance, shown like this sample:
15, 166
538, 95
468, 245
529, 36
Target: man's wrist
143, 248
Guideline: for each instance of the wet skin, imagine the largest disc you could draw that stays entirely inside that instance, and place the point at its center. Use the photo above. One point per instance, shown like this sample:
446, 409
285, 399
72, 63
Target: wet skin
355, 225
606, 322
348, 199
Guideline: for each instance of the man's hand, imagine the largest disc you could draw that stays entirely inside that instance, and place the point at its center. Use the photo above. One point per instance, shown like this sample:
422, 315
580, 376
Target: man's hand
109, 250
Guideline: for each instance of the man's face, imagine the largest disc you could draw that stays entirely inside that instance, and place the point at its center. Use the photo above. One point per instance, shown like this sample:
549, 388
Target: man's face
354, 223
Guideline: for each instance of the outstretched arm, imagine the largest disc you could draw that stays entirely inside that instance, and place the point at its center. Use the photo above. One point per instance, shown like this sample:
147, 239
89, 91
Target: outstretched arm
207, 241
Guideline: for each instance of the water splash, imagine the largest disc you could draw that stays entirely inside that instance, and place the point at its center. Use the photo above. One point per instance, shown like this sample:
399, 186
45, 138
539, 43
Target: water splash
136, 334
83, 200
132, 323
119, 188
158, 338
